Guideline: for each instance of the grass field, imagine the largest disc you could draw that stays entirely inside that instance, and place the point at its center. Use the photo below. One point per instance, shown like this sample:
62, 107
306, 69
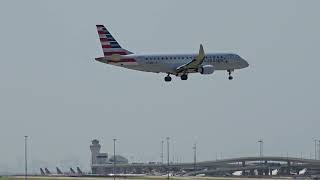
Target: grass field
3, 178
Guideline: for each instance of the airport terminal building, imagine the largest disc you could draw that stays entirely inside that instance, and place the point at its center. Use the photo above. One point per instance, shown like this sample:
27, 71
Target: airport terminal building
100, 163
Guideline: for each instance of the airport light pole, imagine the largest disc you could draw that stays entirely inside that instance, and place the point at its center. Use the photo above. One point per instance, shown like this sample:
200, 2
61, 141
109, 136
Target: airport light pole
261, 147
25, 158
114, 158
318, 149
195, 156
162, 152
168, 171
315, 149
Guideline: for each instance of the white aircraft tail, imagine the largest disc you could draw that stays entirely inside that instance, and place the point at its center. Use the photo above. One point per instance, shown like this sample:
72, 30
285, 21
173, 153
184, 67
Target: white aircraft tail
59, 171
42, 172
79, 171
109, 45
72, 171
47, 171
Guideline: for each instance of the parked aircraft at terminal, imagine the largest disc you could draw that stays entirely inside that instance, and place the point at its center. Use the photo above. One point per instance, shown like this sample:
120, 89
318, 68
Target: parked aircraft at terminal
172, 64
72, 173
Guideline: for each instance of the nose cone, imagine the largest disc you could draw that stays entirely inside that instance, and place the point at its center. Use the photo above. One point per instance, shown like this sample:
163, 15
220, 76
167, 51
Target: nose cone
244, 63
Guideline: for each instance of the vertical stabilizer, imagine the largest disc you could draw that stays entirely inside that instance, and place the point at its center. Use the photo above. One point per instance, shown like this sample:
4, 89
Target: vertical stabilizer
109, 45
79, 171
47, 171
59, 171
42, 172
72, 171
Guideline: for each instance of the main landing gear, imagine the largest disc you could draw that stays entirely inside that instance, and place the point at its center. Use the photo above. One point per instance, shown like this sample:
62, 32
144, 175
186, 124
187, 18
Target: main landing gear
184, 77
167, 78
229, 72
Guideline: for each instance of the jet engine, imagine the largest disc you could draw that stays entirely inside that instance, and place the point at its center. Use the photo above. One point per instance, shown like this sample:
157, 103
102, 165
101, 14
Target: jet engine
206, 69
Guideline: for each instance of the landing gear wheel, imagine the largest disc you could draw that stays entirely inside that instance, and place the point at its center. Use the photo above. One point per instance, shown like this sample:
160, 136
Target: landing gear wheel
167, 78
184, 77
229, 72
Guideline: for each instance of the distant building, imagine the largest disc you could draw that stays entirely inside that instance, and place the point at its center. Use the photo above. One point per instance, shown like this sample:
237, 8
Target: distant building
100, 164
119, 160
96, 156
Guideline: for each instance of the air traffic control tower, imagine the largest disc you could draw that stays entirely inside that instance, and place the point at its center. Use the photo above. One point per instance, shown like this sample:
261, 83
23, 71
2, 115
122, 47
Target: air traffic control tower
100, 164
97, 157
95, 150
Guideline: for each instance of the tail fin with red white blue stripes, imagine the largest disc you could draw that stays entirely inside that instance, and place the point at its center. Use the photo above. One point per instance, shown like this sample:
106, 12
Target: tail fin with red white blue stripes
109, 45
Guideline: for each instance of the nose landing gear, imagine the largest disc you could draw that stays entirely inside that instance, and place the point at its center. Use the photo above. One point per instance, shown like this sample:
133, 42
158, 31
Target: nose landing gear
229, 72
167, 78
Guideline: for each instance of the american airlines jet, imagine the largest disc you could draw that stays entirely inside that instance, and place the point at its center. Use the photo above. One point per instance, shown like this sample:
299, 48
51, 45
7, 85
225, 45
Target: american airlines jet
180, 65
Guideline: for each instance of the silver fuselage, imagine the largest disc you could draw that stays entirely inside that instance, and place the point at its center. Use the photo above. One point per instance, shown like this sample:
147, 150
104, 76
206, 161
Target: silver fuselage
168, 63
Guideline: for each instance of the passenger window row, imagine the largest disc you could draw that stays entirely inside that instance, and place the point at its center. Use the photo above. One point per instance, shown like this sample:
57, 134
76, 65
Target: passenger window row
182, 57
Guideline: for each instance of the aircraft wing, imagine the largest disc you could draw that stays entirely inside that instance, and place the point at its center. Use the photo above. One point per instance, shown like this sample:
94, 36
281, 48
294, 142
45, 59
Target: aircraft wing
194, 64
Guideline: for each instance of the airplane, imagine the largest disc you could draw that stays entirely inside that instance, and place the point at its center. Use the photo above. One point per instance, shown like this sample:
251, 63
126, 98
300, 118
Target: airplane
79, 171
72, 171
59, 171
180, 65
47, 171
42, 172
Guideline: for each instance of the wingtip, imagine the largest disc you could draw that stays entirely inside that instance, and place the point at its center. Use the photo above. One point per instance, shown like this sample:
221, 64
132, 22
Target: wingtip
201, 47
201, 51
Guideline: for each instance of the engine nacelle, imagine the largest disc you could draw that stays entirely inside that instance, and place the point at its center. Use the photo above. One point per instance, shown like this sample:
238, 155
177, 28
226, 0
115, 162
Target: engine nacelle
206, 69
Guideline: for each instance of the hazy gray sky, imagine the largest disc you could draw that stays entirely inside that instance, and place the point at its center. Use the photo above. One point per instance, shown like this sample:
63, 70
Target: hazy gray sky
54, 91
